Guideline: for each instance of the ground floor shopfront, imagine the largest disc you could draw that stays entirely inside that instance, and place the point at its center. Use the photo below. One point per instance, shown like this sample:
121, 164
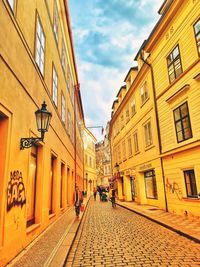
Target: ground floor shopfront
171, 183
143, 184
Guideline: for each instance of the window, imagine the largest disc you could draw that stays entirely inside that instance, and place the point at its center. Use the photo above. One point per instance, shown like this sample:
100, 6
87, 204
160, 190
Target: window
122, 121
182, 123
62, 184
40, 46
90, 162
55, 87
133, 109
144, 93
68, 122
119, 154
197, 34
63, 56
86, 160
11, 4
63, 109
174, 64
150, 184
129, 147
31, 194
51, 183
148, 135
135, 137
55, 23
68, 79
190, 183
124, 150
127, 114
72, 137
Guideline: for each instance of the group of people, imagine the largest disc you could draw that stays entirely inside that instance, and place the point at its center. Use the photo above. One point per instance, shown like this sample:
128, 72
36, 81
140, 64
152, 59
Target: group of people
111, 195
78, 198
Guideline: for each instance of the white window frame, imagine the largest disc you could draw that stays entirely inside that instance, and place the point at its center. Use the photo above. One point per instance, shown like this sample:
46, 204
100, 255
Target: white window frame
133, 107
148, 134
55, 22
40, 46
144, 93
63, 56
68, 122
130, 150
63, 109
127, 114
55, 87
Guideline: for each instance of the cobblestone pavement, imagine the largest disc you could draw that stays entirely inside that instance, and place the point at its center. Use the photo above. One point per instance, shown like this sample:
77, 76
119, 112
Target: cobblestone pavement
118, 237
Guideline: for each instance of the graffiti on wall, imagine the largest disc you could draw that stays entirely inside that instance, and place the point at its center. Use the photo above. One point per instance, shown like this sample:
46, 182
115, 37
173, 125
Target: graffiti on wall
15, 191
174, 189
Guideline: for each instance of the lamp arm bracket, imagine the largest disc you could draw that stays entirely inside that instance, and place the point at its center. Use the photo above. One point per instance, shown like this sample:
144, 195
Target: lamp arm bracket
29, 142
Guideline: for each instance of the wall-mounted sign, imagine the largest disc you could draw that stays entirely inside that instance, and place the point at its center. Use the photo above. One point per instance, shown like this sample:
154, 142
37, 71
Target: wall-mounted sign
145, 166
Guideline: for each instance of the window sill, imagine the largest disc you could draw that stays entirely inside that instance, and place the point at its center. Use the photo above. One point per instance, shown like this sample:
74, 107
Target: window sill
149, 147
62, 209
191, 199
136, 153
52, 215
32, 228
133, 114
130, 156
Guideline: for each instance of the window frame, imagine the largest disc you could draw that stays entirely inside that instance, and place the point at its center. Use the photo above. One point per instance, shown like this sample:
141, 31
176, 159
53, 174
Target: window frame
172, 64
154, 183
63, 108
68, 122
149, 134
56, 22
54, 93
145, 93
130, 149
12, 7
38, 20
195, 35
190, 184
181, 121
136, 144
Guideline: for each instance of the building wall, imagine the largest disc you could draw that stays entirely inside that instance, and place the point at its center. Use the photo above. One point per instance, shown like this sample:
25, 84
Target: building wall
179, 157
23, 89
90, 175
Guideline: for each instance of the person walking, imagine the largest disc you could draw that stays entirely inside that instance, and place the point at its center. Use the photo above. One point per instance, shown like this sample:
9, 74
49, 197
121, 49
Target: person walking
78, 200
95, 193
112, 197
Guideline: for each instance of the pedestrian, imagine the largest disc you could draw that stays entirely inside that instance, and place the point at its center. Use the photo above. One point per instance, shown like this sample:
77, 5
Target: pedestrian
112, 196
95, 193
100, 193
78, 200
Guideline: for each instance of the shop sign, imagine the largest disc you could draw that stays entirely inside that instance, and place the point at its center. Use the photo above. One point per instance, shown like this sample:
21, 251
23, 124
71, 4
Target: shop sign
145, 166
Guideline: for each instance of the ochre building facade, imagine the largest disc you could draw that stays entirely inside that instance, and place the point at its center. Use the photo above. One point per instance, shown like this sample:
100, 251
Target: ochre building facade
37, 64
155, 120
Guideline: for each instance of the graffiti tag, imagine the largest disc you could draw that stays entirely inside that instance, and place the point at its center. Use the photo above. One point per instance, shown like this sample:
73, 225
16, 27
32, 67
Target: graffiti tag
174, 188
15, 191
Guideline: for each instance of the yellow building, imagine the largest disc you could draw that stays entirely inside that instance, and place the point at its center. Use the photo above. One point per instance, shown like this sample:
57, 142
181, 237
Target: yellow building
37, 64
134, 140
164, 121
174, 56
90, 176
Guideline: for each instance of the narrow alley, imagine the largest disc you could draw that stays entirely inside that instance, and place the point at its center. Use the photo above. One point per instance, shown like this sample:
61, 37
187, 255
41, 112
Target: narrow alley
118, 237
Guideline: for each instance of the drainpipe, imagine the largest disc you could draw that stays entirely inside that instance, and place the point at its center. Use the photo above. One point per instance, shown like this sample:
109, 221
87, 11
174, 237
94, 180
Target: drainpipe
75, 92
157, 127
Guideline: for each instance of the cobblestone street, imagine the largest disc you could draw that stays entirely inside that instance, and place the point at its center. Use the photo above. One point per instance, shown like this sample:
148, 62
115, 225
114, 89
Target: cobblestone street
118, 237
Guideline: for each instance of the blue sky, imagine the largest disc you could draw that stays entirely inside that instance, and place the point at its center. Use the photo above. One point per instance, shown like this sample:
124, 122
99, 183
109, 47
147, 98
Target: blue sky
107, 35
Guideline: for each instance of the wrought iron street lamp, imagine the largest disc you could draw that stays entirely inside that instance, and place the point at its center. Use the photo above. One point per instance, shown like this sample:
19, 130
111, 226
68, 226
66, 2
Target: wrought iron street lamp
43, 118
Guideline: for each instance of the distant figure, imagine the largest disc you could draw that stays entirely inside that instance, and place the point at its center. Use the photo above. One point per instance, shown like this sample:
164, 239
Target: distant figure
95, 193
100, 193
78, 200
112, 197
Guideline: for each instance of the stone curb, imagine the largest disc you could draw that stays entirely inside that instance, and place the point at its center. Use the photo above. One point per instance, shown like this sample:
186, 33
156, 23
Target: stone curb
170, 227
61, 254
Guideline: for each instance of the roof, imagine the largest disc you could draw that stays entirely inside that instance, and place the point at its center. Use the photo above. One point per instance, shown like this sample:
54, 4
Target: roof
155, 27
132, 68
115, 101
90, 133
122, 87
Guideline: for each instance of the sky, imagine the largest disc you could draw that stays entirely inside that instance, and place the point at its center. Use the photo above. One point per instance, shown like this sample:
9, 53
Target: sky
107, 35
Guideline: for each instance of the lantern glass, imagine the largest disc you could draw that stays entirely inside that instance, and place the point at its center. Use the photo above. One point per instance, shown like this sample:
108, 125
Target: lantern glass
43, 117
